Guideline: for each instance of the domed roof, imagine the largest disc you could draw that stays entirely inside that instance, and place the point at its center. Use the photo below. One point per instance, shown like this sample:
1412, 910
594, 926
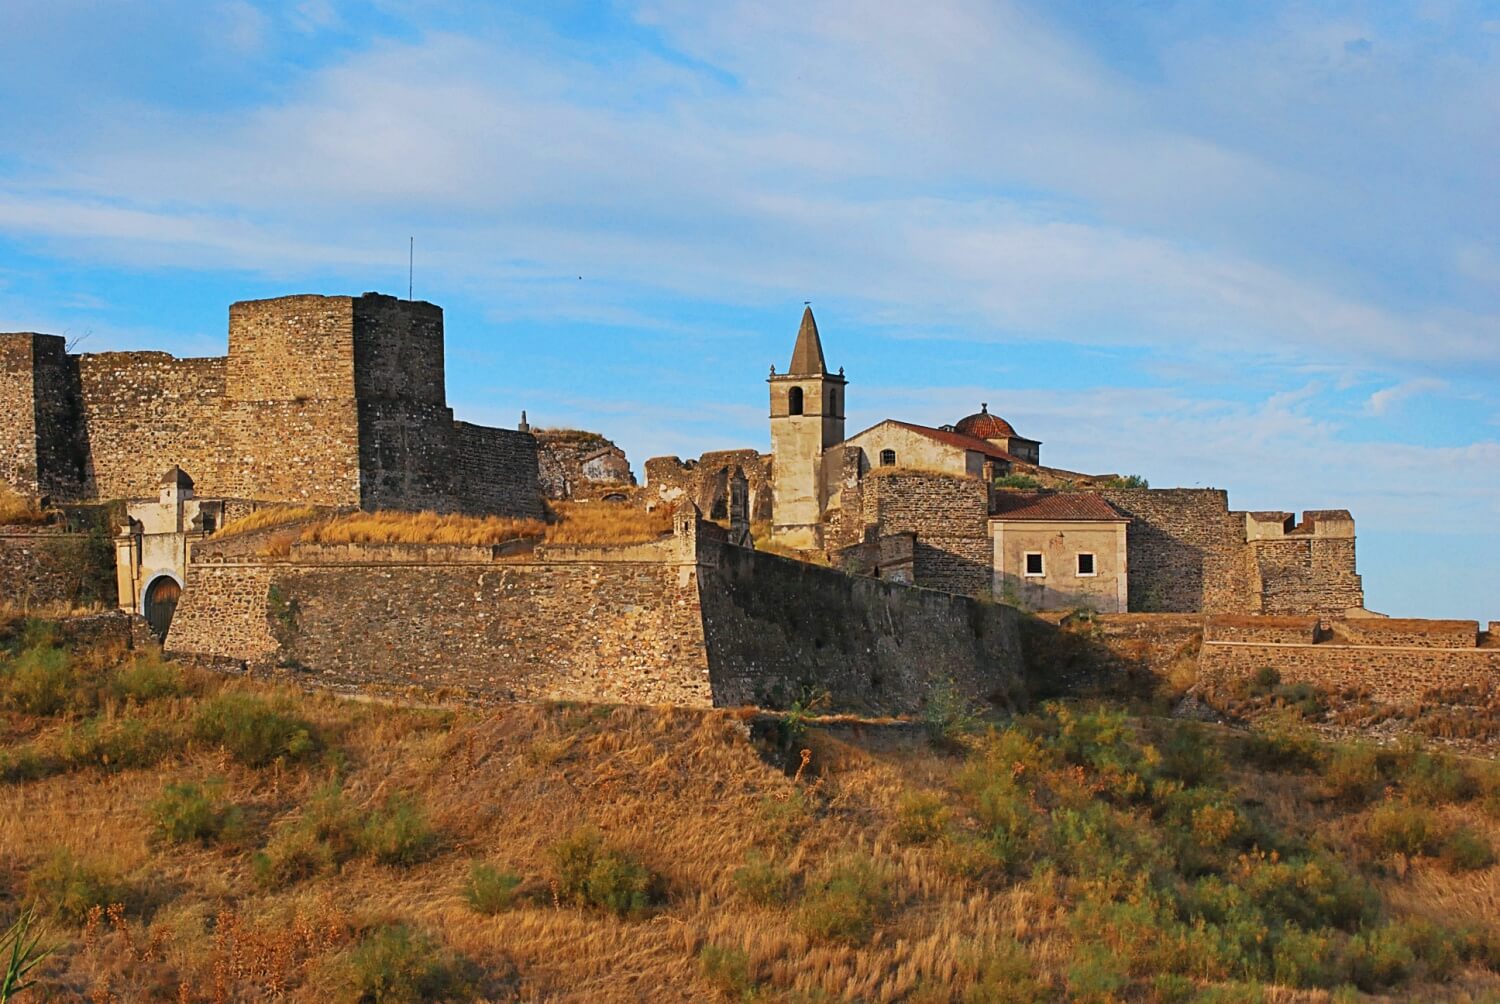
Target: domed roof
984, 425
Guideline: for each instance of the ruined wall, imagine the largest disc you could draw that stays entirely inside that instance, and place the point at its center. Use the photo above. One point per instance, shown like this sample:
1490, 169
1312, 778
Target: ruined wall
779, 629
949, 515
1187, 550
574, 464
705, 481
18, 459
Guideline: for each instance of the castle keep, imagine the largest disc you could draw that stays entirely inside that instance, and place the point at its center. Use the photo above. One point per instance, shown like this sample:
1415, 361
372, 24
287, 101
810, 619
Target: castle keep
327, 400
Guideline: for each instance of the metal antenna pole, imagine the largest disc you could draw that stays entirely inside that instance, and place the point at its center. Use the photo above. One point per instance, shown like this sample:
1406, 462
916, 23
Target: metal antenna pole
411, 253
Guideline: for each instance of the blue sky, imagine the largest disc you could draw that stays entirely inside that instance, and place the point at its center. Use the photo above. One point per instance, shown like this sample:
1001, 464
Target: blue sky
1254, 246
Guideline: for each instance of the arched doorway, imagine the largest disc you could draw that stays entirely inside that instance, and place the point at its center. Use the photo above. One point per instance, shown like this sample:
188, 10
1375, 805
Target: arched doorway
161, 603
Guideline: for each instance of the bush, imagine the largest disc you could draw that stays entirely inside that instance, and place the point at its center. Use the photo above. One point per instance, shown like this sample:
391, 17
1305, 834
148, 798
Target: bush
147, 678
947, 715
398, 833
391, 965
846, 903
327, 834
1378, 958
728, 971
921, 818
1353, 774
1466, 850
1280, 741
69, 888
252, 732
1432, 776
1397, 827
593, 873
762, 881
118, 743
1305, 959
189, 812
490, 890
1189, 755
40, 681
1006, 976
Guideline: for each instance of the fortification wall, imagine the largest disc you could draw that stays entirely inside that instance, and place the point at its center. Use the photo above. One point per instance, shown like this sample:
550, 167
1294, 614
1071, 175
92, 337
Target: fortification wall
291, 348
779, 629
494, 470
1187, 550
1307, 575
18, 459
949, 515
1390, 674
40, 565
725, 626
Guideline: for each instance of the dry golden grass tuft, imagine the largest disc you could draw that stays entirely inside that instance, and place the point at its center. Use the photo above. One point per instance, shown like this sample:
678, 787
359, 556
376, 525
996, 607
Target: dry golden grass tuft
605, 523
421, 528
266, 518
19, 510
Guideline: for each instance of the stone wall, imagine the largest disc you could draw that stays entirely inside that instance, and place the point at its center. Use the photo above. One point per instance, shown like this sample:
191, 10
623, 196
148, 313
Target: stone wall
574, 464
705, 481
950, 517
778, 629
42, 565
1306, 575
1390, 674
322, 399
1272, 630
686, 621
1187, 550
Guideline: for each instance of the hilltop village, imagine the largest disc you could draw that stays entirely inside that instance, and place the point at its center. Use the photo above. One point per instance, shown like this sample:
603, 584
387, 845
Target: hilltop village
865, 565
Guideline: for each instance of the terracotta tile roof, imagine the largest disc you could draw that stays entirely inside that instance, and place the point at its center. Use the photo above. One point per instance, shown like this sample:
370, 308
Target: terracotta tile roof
1013, 505
960, 440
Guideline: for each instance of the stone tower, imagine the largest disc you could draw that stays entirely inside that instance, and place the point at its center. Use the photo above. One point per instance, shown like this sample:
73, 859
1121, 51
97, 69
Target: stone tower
807, 419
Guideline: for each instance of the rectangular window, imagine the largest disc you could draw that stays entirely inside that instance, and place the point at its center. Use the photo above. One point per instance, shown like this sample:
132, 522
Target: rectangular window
887, 458
1034, 563
1086, 563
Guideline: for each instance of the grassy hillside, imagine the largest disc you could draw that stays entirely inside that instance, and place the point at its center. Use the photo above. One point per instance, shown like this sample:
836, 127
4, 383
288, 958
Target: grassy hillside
199, 838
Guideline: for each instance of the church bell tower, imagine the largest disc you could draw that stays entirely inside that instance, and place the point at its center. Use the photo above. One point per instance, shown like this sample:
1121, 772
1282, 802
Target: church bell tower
807, 419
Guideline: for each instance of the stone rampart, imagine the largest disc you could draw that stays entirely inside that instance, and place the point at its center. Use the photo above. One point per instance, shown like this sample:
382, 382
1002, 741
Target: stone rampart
1406, 632
950, 517
1267, 630
687, 620
1186, 550
1391, 674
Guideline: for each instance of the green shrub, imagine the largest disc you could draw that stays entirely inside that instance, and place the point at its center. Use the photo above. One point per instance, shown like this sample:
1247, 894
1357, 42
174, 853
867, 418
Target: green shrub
947, 715
1263, 682
1305, 958
147, 678
118, 743
1189, 755
1399, 827
391, 965
68, 888
1432, 776
1304, 698
398, 833
328, 833
728, 971
40, 681
188, 812
1353, 774
1466, 850
1378, 958
253, 732
1007, 976
763, 881
921, 818
1096, 974
490, 890
1280, 741
784, 820
846, 903
1313, 891
593, 873
1022, 481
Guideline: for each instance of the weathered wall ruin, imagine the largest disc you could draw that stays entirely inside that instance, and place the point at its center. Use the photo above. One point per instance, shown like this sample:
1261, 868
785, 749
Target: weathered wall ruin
575, 464
705, 481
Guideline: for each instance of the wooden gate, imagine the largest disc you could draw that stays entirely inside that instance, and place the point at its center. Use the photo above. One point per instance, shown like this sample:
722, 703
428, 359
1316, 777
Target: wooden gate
161, 604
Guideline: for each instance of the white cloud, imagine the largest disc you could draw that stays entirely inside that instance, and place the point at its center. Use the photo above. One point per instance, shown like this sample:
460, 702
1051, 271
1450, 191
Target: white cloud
1383, 400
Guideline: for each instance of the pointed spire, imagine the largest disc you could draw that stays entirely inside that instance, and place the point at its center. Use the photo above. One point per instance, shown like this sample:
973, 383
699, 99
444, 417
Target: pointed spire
807, 357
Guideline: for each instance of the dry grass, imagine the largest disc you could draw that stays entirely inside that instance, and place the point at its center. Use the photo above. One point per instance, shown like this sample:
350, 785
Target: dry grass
265, 519
684, 791
18, 510
421, 528
600, 523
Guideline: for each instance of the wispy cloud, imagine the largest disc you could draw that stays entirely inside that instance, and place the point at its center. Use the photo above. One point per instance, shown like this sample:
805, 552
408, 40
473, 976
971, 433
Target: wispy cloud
1383, 400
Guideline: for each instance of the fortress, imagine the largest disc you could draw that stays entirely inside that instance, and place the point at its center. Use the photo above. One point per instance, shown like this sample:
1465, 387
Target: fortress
935, 539
329, 400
